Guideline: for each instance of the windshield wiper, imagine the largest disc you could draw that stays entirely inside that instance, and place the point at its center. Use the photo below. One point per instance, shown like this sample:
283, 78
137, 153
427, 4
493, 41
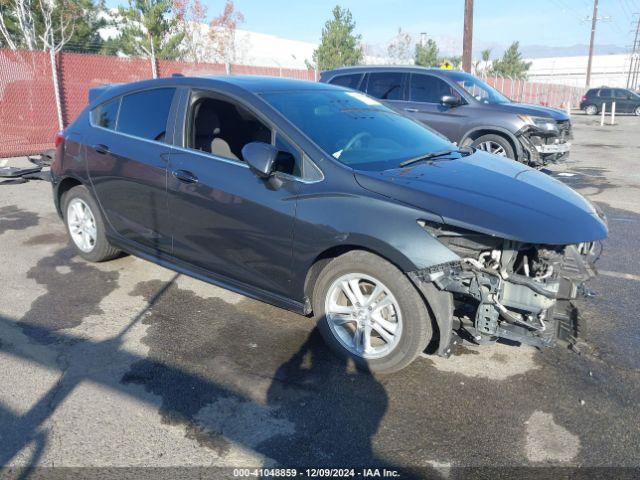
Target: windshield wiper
463, 151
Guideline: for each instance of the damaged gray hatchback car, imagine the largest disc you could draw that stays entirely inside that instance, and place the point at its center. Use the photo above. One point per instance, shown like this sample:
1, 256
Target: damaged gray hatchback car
321, 200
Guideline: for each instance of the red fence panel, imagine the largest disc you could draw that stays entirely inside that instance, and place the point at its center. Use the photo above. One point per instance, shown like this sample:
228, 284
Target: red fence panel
166, 68
28, 118
79, 72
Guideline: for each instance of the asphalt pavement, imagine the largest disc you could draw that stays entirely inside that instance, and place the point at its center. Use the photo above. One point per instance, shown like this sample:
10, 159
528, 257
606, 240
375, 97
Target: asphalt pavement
127, 364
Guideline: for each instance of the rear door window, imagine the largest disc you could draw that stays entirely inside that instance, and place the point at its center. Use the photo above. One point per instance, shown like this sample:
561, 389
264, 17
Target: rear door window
605, 93
106, 115
429, 89
386, 85
349, 81
145, 114
621, 93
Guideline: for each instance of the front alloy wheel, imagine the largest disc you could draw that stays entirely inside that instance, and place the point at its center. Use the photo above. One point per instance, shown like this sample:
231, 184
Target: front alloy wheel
363, 315
492, 147
369, 312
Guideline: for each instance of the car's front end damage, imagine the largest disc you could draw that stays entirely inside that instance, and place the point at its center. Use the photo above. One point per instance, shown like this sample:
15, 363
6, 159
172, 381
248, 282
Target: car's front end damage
544, 140
504, 248
507, 289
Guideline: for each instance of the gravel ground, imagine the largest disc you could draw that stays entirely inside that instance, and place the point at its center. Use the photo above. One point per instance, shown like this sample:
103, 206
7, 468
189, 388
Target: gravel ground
127, 364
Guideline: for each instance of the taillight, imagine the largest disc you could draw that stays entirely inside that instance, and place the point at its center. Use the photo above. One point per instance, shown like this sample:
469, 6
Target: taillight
59, 138
584, 98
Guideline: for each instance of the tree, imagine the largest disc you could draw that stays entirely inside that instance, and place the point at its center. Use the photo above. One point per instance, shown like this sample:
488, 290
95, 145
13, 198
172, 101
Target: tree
44, 24
339, 45
426, 54
481, 67
511, 64
399, 48
147, 29
222, 33
189, 16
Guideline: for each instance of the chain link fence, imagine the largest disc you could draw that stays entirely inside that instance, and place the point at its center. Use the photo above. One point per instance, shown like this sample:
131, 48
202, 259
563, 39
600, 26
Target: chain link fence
29, 110
539, 93
28, 107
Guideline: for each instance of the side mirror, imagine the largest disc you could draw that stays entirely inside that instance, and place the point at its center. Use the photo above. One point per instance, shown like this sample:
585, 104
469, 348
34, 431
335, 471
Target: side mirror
260, 157
450, 101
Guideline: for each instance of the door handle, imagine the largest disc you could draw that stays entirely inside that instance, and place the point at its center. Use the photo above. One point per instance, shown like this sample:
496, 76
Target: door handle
185, 176
101, 149
412, 110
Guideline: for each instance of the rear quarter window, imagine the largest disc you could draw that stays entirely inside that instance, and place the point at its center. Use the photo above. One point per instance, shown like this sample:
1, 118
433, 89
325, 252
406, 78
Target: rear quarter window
349, 81
106, 115
145, 114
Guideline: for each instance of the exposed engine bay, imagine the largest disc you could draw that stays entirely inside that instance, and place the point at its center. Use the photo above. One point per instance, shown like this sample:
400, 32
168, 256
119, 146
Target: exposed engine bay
512, 290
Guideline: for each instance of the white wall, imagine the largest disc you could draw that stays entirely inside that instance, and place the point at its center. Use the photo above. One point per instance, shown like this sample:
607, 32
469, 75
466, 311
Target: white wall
610, 70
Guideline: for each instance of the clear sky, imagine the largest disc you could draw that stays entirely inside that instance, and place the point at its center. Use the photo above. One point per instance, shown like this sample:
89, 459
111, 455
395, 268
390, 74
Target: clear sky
538, 22
557, 23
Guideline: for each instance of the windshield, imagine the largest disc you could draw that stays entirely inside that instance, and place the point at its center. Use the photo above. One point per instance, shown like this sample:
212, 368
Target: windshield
355, 129
477, 88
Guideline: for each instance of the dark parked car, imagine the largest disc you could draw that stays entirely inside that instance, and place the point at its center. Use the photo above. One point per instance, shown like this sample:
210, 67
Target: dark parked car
465, 109
627, 101
321, 200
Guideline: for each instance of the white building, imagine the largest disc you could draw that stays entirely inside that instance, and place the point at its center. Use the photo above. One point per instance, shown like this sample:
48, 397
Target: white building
610, 70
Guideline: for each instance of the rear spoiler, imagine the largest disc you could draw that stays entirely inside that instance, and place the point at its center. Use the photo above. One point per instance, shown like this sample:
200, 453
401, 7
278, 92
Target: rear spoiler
96, 92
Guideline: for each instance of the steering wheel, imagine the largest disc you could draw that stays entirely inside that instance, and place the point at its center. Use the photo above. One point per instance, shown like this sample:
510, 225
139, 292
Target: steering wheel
355, 139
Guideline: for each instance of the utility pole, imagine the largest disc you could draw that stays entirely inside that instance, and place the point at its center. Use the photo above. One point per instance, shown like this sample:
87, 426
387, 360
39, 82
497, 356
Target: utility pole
467, 38
634, 64
594, 19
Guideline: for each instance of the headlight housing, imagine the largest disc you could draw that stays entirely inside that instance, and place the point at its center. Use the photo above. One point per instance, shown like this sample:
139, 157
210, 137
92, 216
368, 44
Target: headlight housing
543, 123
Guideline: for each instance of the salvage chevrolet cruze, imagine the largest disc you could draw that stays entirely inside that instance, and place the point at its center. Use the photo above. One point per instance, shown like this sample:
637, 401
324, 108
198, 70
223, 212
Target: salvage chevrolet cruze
323, 201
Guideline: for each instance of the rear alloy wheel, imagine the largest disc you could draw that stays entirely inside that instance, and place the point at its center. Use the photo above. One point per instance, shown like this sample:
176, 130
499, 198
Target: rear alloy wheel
591, 110
370, 312
494, 144
637, 111
85, 225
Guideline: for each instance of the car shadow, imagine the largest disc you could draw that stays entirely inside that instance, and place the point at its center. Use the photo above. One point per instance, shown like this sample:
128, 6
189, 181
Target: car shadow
331, 410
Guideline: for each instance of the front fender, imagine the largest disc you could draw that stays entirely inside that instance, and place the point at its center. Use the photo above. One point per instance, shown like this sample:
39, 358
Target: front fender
372, 222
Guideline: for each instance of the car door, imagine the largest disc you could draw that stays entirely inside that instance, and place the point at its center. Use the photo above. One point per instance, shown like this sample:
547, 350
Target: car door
127, 165
225, 219
606, 97
623, 100
424, 104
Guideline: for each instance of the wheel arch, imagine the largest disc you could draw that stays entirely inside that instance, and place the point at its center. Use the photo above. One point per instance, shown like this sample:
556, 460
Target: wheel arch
477, 132
323, 258
63, 186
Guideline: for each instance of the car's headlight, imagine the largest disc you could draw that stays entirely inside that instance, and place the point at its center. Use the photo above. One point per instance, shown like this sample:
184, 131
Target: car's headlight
462, 242
542, 123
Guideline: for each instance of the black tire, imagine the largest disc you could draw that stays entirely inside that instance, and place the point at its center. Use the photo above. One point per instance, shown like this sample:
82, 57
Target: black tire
416, 321
102, 250
591, 109
636, 111
497, 139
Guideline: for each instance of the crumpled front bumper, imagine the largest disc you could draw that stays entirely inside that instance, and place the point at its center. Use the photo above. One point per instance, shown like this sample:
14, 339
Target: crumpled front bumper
541, 147
510, 306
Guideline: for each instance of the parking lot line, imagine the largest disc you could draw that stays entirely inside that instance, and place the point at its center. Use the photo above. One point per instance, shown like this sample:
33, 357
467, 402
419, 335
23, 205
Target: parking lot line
626, 276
